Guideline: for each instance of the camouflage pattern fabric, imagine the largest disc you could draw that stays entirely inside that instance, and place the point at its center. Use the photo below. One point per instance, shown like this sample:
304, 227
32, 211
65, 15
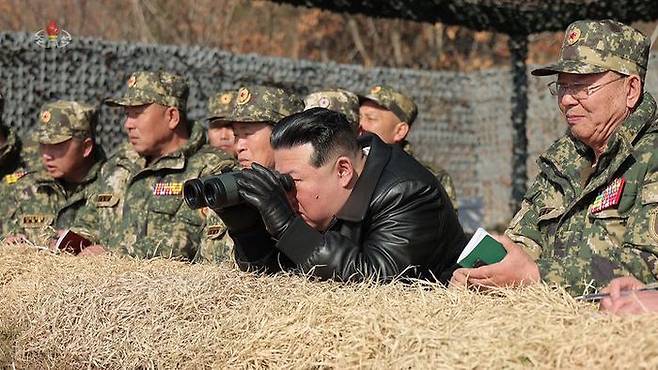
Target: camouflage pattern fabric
574, 243
264, 104
442, 175
338, 100
9, 153
17, 158
220, 106
600, 46
62, 120
138, 209
398, 103
160, 87
44, 205
216, 245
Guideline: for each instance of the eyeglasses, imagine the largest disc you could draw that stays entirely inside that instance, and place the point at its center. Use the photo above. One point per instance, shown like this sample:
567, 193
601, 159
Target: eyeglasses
577, 91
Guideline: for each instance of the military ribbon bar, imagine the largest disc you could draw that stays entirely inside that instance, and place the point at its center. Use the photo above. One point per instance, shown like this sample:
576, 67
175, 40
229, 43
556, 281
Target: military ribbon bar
610, 196
14, 177
168, 188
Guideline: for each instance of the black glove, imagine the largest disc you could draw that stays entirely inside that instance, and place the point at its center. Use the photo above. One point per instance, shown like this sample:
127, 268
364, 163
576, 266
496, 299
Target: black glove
261, 188
240, 218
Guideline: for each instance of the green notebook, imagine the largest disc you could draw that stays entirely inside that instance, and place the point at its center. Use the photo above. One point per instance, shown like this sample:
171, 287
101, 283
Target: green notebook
481, 250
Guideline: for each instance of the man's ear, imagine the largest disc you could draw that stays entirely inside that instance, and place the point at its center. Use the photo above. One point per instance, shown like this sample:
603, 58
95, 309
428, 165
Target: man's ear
87, 147
172, 115
344, 170
401, 131
634, 91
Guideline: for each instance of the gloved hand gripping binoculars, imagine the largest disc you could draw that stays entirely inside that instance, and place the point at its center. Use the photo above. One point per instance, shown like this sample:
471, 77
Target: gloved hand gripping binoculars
221, 191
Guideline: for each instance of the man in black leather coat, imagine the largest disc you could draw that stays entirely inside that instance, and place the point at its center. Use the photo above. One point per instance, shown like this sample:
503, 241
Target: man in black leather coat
351, 215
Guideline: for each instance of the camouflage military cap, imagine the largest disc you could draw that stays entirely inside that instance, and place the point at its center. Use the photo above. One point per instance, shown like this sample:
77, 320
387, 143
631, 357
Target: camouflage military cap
62, 120
220, 106
264, 104
338, 100
401, 105
600, 46
160, 87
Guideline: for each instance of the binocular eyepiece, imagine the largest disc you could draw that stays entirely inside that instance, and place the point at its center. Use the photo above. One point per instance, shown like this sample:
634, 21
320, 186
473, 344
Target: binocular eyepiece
220, 191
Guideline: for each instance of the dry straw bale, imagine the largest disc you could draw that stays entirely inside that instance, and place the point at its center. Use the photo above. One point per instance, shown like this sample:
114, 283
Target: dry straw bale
117, 313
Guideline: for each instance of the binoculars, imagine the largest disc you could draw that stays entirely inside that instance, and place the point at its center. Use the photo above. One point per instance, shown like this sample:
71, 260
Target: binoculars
220, 191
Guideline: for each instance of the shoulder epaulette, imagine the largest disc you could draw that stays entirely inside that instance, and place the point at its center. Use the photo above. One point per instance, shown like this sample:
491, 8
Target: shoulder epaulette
13, 178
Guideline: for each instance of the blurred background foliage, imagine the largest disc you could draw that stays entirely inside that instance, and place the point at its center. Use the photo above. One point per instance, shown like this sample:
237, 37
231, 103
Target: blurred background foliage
267, 28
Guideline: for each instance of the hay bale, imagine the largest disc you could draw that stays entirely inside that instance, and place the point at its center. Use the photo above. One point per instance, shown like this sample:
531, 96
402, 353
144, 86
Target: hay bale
116, 313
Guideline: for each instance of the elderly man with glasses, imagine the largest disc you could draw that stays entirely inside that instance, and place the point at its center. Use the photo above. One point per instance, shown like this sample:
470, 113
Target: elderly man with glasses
591, 214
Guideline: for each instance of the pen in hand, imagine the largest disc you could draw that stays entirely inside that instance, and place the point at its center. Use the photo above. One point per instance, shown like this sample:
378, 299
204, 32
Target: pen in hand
596, 297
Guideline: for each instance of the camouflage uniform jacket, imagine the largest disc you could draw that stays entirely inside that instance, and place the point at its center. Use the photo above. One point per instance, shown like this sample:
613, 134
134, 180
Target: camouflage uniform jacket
14, 156
138, 209
575, 244
16, 160
43, 202
442, 175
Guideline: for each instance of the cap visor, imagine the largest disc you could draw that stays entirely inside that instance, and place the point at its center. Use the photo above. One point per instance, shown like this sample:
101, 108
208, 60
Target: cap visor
219, 120
568, 66
363, 98
53, 139
123, 102
253, 119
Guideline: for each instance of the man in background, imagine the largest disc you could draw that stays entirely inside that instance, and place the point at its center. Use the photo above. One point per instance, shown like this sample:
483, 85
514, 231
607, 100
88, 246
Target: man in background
49, 198
220, 131
137, 205
389, 114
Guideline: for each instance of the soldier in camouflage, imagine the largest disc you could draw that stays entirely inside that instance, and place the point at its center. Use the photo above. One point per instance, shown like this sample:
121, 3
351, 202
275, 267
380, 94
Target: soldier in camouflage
253, 113
390, 114
337, 100
592, 213
220, 131
15, 157
136, 207
50, 198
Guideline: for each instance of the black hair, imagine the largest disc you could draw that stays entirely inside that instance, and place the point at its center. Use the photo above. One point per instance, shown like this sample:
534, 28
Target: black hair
327, 131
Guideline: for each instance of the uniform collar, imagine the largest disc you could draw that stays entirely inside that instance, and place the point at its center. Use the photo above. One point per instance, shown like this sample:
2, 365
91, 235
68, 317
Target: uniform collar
176, 160
358, 202
567, 156
43, 179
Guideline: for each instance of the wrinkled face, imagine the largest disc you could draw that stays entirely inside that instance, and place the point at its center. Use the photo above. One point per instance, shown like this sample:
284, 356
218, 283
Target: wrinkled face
62, 160
380, 121
147, 129
590, 119
222, 137
252, 143
317, 189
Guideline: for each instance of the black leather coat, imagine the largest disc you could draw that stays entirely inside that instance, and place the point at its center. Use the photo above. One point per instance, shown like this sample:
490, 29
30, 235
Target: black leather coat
397, 222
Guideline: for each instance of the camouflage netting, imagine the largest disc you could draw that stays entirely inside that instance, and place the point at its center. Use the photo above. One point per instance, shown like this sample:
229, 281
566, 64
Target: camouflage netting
505, 16
463, 126
518, 19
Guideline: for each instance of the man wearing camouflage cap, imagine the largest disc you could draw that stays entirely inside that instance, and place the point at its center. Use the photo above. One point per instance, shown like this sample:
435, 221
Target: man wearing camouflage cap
337, 100
51, 198
137, 206
592, 213
389, 114
220, 131
216, 244
253, 113
16, 158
